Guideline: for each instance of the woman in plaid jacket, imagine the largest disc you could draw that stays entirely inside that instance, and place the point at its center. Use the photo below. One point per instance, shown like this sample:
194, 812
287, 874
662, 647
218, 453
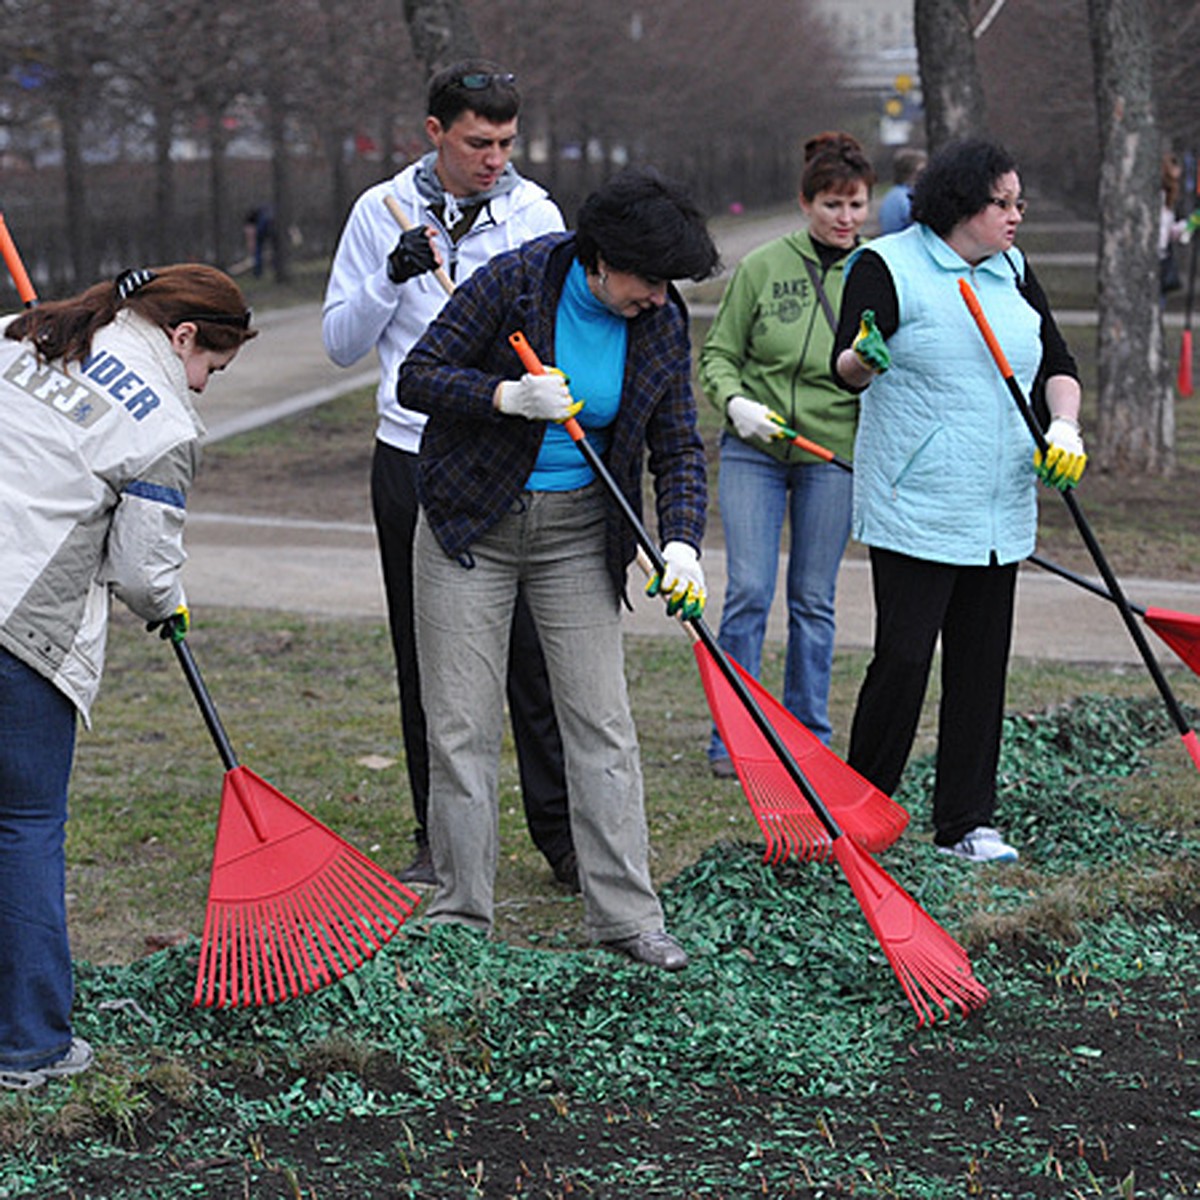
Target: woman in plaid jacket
507, 501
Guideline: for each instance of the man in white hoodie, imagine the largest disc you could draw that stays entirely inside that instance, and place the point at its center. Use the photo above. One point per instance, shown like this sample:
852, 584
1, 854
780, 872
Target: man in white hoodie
465, 202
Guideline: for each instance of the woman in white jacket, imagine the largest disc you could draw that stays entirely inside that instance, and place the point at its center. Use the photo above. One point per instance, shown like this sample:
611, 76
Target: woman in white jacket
98, 447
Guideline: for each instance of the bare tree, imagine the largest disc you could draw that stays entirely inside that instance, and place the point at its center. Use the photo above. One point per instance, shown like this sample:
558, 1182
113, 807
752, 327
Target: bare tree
950, 82
1136, 424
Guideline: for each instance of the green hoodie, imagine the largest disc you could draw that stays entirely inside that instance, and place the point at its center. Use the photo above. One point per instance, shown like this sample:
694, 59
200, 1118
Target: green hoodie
772, 342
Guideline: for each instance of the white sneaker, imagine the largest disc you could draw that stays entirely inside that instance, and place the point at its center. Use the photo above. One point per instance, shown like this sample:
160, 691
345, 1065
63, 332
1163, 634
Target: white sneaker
982, 844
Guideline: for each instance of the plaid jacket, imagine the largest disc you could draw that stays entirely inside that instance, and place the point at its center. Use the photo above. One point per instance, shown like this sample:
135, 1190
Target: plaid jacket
475, 461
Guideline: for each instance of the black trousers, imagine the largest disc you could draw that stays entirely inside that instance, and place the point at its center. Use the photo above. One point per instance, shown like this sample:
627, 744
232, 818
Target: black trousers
535, 730
972, 609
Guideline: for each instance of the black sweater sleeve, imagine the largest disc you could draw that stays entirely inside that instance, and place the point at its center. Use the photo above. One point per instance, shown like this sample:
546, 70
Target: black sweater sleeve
1057, 358
869, 285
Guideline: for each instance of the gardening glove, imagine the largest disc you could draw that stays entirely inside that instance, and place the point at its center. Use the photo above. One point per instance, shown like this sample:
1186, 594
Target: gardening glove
869, 345
173, 628
538, 397
1190, 226
1065, 459
681, 582
752, 420
413, 255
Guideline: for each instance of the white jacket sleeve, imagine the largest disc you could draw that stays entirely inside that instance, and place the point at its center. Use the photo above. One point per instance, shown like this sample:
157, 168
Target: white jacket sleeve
144, 556
360, 299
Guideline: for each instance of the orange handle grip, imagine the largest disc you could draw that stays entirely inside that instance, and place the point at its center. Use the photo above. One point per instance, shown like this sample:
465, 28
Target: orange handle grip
972, 302
533, 364
822, 452
16, 268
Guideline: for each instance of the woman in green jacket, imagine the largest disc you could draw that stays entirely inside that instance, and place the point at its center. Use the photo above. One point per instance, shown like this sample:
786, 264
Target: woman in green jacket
766, 363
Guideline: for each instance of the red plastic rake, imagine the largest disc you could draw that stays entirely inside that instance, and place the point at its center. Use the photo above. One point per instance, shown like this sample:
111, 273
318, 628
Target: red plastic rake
932, 967
291, 906
869, 817
1181, 631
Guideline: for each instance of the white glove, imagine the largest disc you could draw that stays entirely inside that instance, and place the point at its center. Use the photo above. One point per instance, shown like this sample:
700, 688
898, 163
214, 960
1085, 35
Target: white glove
1065, 458
681, 582
751, 419
538, 397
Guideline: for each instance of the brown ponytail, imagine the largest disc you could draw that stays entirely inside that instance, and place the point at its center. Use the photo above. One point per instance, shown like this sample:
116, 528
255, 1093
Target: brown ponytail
165, 296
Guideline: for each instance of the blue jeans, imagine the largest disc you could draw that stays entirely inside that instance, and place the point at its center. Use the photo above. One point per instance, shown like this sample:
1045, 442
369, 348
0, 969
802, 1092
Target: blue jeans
550, 546
756, 493
37, 746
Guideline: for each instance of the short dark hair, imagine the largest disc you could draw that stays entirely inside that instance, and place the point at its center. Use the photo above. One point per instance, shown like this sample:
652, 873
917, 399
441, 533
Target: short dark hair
908, 163
834, 162
958, 182
497, 100
647, 225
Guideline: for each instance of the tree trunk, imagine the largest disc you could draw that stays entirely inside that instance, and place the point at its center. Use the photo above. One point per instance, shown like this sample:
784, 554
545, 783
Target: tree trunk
1136, 426
218, 200
165, 250
440, 31
950, 84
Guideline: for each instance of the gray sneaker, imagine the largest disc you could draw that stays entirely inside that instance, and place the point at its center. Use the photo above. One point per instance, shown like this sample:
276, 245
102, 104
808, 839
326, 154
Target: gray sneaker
654, 948
78, 1058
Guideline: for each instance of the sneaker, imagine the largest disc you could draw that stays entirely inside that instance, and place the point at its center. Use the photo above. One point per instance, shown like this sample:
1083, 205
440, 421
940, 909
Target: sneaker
723, 768
566, 872
420, 871
78, 1058
982, 844
654, 948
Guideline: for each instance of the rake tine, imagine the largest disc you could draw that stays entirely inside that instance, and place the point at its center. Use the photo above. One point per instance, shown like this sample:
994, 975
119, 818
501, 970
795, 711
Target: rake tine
342, 934
359, 903
287, 944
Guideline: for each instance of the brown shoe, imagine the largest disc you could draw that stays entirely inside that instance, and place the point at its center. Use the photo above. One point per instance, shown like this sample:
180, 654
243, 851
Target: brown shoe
723, 768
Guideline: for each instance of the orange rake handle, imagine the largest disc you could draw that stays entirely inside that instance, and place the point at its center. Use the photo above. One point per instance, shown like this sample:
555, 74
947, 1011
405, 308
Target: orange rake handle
931, 967
533, 365
16, 268
815, 448
1116, 594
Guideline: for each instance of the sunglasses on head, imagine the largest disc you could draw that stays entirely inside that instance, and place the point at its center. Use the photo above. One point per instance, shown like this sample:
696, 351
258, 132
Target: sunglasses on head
476, 81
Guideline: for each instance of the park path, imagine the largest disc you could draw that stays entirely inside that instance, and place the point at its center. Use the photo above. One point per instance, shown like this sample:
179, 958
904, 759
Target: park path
331, 568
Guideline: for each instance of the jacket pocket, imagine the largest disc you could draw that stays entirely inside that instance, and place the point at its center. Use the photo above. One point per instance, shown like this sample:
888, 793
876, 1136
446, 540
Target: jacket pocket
920, 462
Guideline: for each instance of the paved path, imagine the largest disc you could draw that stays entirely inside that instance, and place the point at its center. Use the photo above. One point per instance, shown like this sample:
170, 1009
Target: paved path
332, 569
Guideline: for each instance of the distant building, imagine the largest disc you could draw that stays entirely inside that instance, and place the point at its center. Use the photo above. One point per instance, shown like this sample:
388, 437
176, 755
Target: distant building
878, 42
867, 24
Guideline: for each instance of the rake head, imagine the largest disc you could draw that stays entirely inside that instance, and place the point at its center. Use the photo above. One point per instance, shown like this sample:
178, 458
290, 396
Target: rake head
1181, 631
866, 815
291, 906
932, 967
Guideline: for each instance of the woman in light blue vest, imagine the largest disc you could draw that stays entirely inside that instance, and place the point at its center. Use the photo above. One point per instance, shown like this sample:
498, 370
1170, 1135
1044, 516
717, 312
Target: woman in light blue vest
945, 472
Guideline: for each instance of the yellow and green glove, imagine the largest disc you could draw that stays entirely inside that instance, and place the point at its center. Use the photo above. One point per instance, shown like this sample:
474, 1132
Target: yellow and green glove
869, 345
173, 628
1064, 459
681, 582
